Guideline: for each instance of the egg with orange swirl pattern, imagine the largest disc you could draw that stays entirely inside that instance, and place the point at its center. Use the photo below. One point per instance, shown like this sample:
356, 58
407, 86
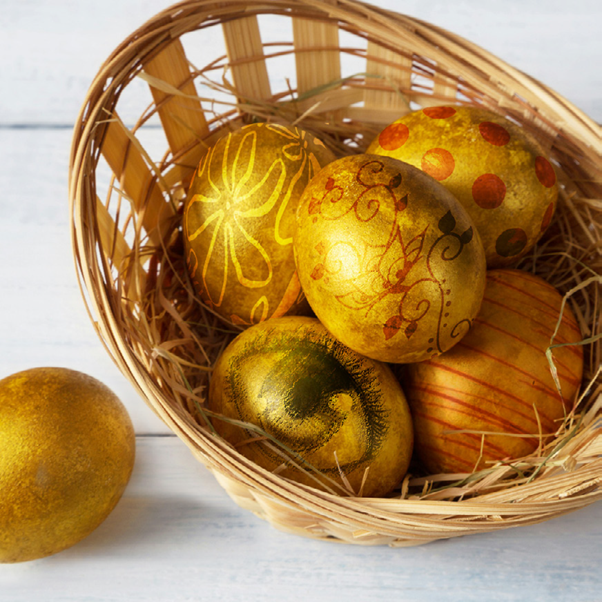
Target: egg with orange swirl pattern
239, 217
388, 259
497, 379
491, 165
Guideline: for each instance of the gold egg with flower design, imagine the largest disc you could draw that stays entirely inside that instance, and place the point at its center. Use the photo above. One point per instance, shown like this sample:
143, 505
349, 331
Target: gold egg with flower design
390, 262
497, 170
239, 217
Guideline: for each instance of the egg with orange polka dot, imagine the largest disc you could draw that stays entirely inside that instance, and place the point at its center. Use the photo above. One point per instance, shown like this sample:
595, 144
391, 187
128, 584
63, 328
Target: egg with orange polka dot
497, 171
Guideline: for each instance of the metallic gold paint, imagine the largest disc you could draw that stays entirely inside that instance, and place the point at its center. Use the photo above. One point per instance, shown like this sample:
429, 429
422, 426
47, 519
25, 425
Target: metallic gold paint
494, 377
239, 216
333, 407
67, 449
389, 261
493, 167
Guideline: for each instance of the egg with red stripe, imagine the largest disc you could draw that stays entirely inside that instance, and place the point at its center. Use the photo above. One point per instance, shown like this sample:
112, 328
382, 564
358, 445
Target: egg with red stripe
490, 397
494, 168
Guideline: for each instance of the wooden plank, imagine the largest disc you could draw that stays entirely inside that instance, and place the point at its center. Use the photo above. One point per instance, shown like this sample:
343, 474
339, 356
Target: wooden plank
245, 53
46, 322
182, 117
393, 73
315, 67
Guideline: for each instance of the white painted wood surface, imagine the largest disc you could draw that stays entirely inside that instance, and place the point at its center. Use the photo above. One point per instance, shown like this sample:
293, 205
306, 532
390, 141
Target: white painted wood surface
176, 535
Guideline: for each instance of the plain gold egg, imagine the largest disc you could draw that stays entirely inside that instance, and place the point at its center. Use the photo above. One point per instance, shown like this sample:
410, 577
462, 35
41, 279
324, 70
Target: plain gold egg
67, 449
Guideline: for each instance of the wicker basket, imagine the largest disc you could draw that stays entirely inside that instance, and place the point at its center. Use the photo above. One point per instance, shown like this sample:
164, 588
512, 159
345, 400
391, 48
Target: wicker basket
354, 68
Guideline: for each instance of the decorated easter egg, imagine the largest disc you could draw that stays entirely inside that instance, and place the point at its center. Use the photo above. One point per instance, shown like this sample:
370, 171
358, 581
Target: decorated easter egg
239, 217
493, 396
327, 416
67, 449
389, 261
493, 167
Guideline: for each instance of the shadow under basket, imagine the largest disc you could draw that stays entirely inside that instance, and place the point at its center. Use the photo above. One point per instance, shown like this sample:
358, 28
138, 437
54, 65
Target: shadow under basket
201, 68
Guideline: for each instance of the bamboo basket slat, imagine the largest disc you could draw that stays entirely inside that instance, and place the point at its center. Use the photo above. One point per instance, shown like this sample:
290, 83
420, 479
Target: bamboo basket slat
111, 238
243, 41
392, 70
315, 64
182, 118
133, 174
444, 86
331, 100
381, 117
134, 282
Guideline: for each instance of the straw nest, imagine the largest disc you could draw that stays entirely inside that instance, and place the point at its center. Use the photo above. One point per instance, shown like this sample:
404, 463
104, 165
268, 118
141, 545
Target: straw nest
354, 68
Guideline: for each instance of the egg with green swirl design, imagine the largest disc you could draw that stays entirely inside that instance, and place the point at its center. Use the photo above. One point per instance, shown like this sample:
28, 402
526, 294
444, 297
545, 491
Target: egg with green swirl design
314, 410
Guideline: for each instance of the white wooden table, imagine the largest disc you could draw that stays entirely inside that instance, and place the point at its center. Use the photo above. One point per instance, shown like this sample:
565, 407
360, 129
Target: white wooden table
176, 535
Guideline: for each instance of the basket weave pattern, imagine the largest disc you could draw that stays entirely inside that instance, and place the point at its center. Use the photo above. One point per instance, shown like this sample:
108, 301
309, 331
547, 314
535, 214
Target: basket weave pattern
126, 209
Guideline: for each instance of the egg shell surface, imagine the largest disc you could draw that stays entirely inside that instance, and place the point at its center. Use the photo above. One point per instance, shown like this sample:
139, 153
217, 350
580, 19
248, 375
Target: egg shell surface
389, 261
239, 217
492, 396
67, 449
498, 171
335, 410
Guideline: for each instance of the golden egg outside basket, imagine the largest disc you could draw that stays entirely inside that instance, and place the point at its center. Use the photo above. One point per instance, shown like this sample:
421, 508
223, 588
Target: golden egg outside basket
128, 244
